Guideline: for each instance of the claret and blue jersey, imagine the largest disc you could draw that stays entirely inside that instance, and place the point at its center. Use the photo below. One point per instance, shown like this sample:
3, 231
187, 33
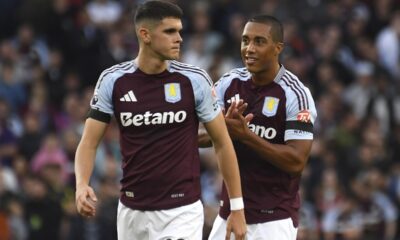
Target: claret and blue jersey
283, 110
158, 118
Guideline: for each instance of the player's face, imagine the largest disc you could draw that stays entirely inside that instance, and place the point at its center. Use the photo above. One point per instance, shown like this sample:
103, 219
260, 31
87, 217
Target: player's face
166, 39
259, 52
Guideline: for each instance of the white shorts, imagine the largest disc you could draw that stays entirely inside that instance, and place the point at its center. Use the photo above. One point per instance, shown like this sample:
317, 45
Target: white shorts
280, 230
182, 223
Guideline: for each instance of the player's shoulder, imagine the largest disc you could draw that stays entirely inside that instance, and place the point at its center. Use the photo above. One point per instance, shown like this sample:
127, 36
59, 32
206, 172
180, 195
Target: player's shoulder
241, 73
297, 93
291, 80
185, 66
194, 73
237, 73
117, 69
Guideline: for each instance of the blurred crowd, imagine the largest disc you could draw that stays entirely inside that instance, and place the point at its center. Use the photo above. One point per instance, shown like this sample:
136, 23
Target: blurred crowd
52, 52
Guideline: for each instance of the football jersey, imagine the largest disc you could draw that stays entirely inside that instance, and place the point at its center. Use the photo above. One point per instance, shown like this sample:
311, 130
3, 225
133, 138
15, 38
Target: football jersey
158, 117
283, 110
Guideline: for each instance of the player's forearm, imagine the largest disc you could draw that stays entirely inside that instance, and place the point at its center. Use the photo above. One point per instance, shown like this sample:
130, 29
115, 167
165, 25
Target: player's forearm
229, 169
84, 162
282, 156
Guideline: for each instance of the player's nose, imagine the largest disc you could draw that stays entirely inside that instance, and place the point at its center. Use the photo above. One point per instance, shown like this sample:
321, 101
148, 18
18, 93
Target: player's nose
250, 47
179, 38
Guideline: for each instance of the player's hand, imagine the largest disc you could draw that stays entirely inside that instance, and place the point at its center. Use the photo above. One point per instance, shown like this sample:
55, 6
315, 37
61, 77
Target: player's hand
237, 124
240, 106
236, 224
86, 200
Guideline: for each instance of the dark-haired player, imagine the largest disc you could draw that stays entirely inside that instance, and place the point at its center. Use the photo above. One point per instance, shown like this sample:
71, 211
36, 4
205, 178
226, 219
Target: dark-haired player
158, 103
272, 138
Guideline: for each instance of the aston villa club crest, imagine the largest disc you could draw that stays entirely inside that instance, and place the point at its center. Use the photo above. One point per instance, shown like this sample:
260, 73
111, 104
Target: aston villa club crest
172, 92
270, 106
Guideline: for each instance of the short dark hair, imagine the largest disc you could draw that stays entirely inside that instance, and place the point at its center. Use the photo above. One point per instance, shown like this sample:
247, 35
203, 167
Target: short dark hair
276, 26
157, 10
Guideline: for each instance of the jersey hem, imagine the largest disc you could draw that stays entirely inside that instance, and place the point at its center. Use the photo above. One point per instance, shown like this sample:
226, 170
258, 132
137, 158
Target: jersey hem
125, 200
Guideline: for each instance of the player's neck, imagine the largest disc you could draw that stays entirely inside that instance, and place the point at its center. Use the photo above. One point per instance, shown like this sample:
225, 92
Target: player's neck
149, 64
265, 77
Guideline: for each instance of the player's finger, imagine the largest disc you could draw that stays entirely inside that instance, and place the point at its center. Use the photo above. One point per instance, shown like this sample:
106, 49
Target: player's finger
239, 103
92, 195
240, 236
230, 109
249, 117
228, 234
82, 211
242, 108
85, 205
235, 114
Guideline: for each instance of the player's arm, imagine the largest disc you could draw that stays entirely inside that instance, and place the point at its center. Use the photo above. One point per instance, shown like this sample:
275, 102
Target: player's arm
84, 161
290, 157
229, 168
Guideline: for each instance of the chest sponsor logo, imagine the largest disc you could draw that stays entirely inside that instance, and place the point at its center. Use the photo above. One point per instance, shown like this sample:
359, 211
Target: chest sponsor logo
172, 92
149, 118
270, 106
304, 116
264, 132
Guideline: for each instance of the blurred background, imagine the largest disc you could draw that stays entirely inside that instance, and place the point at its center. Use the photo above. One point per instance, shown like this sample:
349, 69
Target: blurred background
52, 52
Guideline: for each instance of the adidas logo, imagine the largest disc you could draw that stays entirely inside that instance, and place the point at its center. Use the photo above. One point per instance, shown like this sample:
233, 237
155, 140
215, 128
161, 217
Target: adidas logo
128, 97
235, 98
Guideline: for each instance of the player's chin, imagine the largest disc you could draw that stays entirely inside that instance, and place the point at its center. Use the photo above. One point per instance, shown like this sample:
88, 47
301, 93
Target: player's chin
174, 56
251, 68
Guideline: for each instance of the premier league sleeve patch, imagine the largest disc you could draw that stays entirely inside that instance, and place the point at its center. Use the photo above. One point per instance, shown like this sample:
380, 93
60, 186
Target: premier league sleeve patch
270, 106
172, 92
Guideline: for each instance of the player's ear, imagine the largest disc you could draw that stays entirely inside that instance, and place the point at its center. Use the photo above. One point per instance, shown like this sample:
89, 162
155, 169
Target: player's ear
278, 48
144, 34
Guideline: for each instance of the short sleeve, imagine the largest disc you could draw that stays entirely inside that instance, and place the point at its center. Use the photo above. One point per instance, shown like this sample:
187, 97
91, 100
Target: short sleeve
300, 120
221, 86
207, 107
101, 107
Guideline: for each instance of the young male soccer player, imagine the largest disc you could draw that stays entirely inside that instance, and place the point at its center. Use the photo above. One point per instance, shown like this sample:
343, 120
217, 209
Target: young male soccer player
158, 103
273, 140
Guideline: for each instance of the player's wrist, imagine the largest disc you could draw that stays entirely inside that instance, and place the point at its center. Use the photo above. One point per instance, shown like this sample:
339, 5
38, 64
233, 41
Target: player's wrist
236, 203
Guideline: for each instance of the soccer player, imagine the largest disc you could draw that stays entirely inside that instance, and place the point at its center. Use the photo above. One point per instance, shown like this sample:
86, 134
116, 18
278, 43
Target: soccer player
270, 116
158, 103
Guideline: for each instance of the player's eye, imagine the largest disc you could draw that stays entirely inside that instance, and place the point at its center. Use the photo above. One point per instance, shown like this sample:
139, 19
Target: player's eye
260, 41
171, 31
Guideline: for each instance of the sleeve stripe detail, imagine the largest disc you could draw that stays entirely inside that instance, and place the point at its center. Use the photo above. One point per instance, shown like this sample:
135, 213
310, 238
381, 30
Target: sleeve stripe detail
299, 100
294, 85
296, 81
121, 66
193, 70
303, 126
98, 115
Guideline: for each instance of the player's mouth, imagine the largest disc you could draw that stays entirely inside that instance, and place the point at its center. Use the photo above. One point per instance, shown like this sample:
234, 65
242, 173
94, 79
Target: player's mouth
250, 60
